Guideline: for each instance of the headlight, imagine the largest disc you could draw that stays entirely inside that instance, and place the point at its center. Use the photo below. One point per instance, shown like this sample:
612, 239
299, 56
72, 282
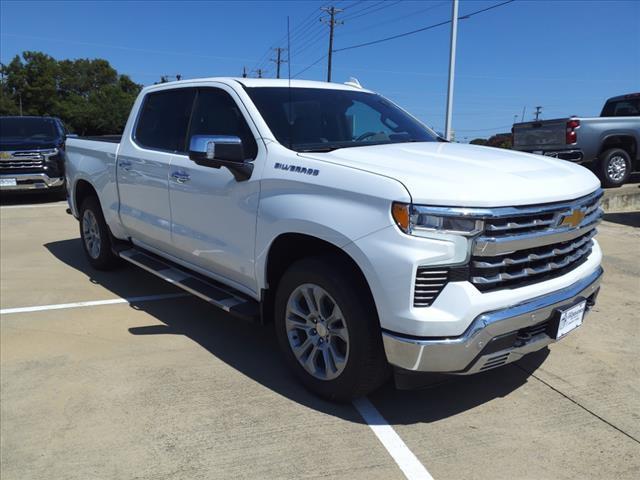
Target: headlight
49, 153
417, 219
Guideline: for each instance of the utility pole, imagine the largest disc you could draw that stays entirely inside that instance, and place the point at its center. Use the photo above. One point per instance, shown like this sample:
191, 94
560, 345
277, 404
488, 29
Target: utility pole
244, 72
538, 112
452, 68
332, 23
260, 72
278, 60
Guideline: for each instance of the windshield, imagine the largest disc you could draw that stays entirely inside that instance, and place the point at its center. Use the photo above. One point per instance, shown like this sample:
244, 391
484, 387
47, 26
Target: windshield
315, 119
25, 128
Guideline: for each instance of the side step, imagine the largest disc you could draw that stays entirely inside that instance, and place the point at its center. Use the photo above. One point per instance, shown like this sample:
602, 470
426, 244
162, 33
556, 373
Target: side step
213, 292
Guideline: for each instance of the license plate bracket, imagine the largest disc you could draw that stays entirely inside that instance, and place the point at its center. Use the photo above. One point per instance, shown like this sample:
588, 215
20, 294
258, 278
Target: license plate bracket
567, 319
8, 182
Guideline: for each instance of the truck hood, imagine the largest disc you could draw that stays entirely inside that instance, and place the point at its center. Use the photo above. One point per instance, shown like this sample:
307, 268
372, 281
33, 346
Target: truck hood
453, 174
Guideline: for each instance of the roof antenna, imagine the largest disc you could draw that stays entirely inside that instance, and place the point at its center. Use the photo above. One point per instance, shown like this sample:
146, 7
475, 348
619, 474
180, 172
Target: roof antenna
289, 75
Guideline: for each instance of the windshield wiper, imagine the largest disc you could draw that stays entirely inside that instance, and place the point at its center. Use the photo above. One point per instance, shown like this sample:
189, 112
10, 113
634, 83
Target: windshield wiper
319, 149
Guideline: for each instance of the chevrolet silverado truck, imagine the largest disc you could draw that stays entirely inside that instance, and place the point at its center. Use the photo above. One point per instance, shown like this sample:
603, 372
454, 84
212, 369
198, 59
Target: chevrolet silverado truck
32, 154
374, 246
608, 144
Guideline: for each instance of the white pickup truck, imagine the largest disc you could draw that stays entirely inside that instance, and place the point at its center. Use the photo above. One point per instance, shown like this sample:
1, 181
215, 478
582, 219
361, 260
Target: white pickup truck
372, 244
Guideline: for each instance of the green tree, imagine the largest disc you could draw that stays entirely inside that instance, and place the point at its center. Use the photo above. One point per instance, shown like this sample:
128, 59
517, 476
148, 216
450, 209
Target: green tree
87, 94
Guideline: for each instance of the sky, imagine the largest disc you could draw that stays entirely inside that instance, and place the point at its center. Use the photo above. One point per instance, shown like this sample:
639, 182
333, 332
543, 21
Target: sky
566, 56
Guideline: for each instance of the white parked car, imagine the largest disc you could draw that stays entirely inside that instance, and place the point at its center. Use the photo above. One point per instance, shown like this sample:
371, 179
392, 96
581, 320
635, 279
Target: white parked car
370, 242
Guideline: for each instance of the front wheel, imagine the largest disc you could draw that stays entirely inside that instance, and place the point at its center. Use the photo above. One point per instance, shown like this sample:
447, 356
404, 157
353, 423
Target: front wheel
615, 167
328, 329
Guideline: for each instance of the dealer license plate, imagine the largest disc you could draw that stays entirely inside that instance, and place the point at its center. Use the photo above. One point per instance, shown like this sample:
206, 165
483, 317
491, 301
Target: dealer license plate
570, 318
8, 182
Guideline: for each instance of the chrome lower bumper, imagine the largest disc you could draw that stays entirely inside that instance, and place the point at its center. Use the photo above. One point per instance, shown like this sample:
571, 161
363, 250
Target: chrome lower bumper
493, 339
31, 181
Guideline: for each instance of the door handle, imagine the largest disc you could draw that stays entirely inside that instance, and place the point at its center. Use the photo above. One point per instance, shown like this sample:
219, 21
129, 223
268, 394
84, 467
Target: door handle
181, 177
125, 165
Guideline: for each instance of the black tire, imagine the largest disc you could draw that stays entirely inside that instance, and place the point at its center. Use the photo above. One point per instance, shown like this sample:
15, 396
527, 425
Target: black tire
366, 367
614, 167
103, 258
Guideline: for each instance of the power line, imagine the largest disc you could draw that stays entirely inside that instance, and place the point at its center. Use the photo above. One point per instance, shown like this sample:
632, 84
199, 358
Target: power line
299, 30
368, 7
386, 5
396, 19
428, 27
353, 5
309, 66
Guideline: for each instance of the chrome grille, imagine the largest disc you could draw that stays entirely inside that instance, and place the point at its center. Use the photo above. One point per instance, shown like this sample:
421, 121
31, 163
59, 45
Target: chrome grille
22, 161
517, 224
429, 284
534, 244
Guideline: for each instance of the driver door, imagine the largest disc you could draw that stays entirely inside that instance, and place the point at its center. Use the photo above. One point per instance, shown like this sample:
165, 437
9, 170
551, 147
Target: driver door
213, 215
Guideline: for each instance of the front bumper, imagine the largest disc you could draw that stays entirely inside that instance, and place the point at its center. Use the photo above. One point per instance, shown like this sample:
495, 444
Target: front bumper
494, 338
31, 181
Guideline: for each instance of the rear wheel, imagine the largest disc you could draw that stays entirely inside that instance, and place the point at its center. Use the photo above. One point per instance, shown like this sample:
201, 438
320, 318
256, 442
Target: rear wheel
328, 330
615, 167
95, 235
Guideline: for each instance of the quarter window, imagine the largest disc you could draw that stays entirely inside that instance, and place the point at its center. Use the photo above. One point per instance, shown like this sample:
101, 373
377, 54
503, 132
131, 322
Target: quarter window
164, 120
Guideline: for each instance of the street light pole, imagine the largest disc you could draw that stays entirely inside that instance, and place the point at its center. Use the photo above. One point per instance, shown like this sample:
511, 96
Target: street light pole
452, 68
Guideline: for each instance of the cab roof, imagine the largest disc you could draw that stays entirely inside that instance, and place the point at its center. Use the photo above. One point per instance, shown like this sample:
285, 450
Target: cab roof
267, 82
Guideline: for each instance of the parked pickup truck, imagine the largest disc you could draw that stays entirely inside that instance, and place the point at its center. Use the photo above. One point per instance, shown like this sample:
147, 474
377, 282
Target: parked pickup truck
369, 241
32, 153
607, 144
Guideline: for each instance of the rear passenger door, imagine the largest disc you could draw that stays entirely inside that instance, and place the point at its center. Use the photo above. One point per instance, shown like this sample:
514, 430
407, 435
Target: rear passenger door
143, 165
213, 215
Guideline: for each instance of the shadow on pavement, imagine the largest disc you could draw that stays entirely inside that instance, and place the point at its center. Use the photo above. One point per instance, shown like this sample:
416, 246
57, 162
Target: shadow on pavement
630, 219
252, 350
31, 198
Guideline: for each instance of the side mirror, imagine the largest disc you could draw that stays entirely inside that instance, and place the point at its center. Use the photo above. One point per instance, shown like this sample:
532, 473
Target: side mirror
216, 147
220, 151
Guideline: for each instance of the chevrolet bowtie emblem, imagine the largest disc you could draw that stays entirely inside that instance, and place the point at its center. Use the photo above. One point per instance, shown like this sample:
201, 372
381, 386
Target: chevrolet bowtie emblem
5, 155
573, 220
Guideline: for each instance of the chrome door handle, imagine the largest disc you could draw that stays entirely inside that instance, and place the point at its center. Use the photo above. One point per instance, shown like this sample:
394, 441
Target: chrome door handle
125, 165
180, 177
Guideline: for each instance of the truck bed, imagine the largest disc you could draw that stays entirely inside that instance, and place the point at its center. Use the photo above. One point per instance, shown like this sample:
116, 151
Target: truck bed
103, 138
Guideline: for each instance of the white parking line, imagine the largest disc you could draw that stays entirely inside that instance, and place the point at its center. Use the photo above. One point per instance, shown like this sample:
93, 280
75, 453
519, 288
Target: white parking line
406, 460
93, 303
34, 205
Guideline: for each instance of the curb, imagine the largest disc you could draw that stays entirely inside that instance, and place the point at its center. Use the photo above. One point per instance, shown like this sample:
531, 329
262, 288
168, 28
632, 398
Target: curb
622, 199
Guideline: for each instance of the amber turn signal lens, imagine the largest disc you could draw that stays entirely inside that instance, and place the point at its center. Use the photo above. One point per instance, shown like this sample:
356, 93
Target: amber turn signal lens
400, 213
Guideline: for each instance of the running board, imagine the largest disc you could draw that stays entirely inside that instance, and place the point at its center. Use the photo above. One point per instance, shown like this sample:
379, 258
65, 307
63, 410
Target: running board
215, 293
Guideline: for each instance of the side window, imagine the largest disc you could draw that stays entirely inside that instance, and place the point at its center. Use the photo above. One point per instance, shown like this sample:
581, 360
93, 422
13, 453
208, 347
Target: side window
164, 120
216, 113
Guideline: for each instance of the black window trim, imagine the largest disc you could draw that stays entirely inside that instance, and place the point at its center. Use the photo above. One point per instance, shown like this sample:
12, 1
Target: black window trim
135, 141
237, 102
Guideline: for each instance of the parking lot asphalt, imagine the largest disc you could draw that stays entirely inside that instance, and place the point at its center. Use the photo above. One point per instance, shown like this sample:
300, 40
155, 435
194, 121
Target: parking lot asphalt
173, 388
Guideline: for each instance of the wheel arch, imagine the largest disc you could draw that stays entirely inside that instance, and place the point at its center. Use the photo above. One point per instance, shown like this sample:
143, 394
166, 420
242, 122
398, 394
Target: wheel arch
625, 141
81, 190
288, 248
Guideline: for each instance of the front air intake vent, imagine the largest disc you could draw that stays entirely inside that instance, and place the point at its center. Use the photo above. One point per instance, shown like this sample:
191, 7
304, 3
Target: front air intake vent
429, 284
